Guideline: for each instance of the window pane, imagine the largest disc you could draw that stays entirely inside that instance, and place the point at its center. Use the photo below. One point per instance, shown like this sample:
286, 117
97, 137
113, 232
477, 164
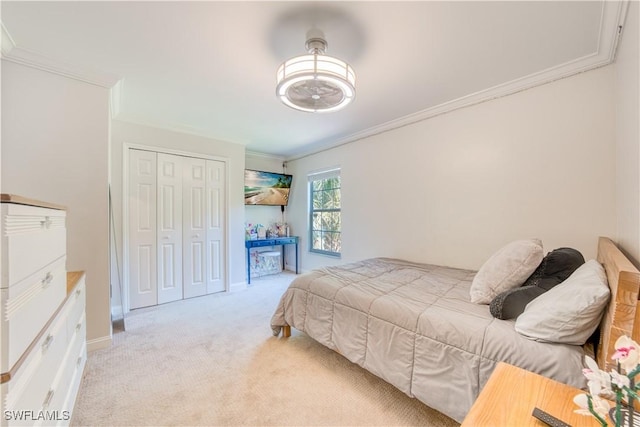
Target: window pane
324, 199
326, 241
332, 183
335, 242
325, 220
325, 215
317, 200
316, 221
316, 239
332, 199
331, 221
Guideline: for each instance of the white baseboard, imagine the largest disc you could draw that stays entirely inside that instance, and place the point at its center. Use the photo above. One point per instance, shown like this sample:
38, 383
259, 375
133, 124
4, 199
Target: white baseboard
116, 312
238, 286
98, 343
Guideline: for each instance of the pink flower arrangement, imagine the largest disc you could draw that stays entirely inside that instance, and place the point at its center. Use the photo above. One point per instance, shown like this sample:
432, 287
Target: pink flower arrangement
618, 385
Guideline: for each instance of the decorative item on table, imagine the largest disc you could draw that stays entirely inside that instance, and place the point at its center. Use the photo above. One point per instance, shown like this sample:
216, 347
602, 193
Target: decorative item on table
618, 385
250, 232
262, 231
281, 229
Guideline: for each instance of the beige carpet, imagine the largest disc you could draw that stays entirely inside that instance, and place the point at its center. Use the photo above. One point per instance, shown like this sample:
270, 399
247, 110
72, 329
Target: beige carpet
213, 361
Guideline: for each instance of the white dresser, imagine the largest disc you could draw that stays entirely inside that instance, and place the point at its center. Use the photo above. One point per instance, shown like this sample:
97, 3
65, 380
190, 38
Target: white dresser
42, 316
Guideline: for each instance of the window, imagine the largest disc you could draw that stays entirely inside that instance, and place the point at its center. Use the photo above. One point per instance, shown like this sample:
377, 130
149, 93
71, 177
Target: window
324, 213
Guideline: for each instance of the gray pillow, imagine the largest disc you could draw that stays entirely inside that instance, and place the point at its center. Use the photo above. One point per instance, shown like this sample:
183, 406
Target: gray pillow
506, 269
569, 312
556, 267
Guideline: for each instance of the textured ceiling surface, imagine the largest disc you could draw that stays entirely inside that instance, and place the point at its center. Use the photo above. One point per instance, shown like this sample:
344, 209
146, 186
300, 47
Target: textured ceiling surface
209, 67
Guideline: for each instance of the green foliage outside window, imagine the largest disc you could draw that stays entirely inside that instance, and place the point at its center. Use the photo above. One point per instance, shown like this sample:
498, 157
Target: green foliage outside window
325, 213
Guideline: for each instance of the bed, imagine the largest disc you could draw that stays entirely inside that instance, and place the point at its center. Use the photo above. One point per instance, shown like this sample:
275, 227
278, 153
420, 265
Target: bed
414, 326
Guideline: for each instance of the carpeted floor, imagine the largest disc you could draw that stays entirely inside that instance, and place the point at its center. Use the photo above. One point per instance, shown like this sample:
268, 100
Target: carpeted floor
213, 361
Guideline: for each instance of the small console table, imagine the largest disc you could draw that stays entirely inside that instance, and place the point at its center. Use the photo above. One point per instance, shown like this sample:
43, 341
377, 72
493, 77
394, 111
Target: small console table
273, 241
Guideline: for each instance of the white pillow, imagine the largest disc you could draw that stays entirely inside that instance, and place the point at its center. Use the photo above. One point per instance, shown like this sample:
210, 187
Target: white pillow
569, 312
506, 269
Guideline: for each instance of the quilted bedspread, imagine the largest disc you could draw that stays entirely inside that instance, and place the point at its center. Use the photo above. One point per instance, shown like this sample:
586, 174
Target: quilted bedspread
414, 326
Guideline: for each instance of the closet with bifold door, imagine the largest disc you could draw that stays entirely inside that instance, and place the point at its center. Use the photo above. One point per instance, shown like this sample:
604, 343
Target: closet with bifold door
176, 222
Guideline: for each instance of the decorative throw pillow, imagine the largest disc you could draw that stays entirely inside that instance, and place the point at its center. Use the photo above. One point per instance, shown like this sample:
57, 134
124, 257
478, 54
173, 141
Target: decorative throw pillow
508, 268
571, 311
510, 304
555, 268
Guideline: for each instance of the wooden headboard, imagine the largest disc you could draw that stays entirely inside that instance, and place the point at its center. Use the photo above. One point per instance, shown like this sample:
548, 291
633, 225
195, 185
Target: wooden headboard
622, 316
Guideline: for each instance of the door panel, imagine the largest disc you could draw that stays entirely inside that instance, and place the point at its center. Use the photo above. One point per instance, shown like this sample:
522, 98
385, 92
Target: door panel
216, 210
177, 219
169, 228
142, 229
194, 230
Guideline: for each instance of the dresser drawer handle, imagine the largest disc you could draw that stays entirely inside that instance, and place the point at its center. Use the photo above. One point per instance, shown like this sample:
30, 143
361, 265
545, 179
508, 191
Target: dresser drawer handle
47, 400
46, 223
78, 291
79, 361
47, 280
78, 326
47, 343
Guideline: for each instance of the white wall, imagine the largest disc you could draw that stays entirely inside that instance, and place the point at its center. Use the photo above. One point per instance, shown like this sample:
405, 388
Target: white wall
627, 96
55, 137
129, 133
452, 189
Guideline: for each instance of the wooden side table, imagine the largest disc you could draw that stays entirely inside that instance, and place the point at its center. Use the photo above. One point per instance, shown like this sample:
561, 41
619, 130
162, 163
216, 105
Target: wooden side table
511, 394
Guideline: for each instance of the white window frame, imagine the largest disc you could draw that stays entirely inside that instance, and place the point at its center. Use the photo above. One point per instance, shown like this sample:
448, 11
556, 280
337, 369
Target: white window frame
316, 176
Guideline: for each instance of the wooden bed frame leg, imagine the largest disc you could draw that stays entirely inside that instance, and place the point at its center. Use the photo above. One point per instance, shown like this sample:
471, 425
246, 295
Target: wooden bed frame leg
286, 331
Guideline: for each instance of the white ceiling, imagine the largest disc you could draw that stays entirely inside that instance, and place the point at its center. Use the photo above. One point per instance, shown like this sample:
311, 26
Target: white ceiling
209, 67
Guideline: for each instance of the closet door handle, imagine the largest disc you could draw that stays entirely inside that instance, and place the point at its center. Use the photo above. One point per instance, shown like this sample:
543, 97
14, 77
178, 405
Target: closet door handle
46, 223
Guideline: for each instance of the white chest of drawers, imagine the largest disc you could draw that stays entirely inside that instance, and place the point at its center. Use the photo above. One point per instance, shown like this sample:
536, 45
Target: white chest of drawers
42, 316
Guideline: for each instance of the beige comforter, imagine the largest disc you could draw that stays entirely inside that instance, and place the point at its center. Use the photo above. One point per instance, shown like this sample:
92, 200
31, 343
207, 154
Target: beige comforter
414, 326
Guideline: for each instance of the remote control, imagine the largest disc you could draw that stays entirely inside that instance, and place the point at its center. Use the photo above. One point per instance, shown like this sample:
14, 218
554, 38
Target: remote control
548, 419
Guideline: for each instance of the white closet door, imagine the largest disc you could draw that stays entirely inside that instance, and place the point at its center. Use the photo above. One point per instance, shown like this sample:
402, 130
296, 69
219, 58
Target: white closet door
216, 208
142, 229
169, 228
194, 230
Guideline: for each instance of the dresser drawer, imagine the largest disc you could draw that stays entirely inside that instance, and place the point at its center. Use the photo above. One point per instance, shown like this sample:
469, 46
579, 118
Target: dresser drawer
32, 237
75, 308
286, 240
26, 307
78, 364
29, 389
59, 393
260, 243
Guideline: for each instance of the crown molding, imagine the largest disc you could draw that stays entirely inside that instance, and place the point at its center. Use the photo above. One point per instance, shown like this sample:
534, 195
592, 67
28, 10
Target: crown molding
171, 127
611, 22
12, 52
258, 154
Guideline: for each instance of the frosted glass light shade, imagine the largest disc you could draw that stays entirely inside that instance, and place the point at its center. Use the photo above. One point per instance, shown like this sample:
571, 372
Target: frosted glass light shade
315, 83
